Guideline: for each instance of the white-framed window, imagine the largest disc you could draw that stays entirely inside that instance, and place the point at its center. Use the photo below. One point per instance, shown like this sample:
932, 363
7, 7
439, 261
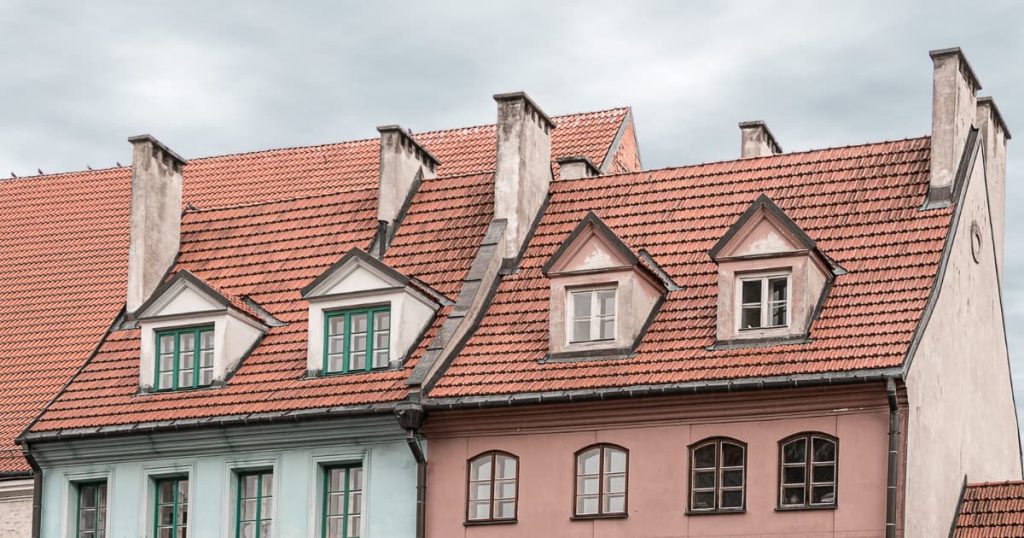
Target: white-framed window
764, 301
592, 314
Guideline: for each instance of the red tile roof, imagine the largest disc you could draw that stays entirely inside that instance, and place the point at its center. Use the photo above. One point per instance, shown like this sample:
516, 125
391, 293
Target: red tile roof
860, 204
269, 251
991, 510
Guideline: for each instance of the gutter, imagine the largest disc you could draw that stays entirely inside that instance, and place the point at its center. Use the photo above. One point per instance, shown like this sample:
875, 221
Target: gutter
891, 471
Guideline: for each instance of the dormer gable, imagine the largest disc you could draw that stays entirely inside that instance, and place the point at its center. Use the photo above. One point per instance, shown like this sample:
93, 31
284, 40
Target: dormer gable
365, 316
193, 335
601, 295
771, 277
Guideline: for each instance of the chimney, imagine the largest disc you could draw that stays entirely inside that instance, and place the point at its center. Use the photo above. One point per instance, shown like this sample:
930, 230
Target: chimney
954, 107
155, 216
757, 141
994, 135
403, 162
576, 167
523, 169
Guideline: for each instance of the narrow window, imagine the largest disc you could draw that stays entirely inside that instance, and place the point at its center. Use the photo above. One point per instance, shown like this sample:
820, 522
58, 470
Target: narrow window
601, 477
170, 519
91, 519
343, 502
593, 315
493, 487
357, 340
184, 358
255, 504
718, 476
764, 302
807, 471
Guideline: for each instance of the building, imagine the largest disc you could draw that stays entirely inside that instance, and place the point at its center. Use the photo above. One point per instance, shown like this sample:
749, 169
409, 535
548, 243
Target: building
514, 330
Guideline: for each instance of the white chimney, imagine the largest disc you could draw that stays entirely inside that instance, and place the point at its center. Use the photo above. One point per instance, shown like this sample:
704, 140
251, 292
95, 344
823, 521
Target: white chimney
155, 231
757, 141
994, 135
523, 169
576, 167
403, 161
954, 107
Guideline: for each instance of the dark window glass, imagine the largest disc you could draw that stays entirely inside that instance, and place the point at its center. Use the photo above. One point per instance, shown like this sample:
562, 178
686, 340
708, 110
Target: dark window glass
718, 476
808, 482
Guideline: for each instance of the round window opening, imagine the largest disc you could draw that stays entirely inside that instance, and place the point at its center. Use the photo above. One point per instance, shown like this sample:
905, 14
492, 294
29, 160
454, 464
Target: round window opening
976, 241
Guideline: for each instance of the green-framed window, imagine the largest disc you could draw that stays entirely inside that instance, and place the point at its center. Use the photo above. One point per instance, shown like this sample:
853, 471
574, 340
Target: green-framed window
170, 516
91, 513
184, 358
357, 340
342, 502
254, 510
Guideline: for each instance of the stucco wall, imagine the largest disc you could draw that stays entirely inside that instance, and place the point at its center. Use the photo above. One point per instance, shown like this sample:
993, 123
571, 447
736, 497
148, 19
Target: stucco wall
658, 470
961, 418
15, 508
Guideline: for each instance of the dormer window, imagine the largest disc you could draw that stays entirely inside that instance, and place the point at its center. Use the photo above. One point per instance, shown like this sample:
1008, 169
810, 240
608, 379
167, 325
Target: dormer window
764, 301
593, 314
357, 339
185, 358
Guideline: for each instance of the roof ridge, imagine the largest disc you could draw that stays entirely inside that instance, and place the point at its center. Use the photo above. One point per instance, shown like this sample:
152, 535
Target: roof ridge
189, 208
65, 173
996, 483
483, 125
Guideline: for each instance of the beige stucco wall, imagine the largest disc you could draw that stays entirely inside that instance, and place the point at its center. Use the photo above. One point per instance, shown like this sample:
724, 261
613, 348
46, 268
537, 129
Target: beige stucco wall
15, 508
961, 418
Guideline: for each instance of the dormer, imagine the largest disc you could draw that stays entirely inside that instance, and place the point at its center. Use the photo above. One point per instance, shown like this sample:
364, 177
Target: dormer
601, 295
365, 316
771, 277
193, 335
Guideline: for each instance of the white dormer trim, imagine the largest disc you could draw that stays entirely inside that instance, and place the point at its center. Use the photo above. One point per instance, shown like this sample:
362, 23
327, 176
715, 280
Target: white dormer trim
358, 280
186, 301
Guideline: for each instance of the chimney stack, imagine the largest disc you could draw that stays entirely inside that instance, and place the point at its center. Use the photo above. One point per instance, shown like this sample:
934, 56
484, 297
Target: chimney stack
954, 108
576, 167
155, 232
403, 162
757, 141
523, 169
994, 135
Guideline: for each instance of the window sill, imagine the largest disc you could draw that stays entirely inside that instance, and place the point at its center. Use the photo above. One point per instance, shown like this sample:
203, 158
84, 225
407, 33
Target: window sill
588, 517
486, 522
716, 512
805, 508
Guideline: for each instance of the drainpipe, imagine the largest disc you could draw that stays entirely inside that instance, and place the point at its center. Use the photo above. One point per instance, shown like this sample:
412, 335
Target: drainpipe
894, 443
37, 492
410, 417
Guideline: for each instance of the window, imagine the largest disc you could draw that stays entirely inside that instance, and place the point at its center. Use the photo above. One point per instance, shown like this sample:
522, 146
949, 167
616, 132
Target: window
91, 516
593, 315
357, 340
171, 517
343, 502
185, 358
764, 302
493, 487
807, 471
601, 476
718, 476
255, 504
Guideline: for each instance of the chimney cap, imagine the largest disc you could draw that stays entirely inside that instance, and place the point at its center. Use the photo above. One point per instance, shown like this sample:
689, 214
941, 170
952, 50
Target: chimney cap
152, 140
996, 115
762, 126
572, 159
964, 64
515, 96
408, 136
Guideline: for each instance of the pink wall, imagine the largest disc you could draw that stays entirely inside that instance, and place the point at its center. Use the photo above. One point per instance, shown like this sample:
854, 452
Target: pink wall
658, 476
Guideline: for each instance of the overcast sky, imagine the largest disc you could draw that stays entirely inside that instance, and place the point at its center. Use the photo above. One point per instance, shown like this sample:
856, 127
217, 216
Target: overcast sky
78, 78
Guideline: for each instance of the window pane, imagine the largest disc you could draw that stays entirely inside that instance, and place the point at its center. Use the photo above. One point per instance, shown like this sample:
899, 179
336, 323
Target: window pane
480, 469
381, 359
586, 504
355, 478
614, 461
751, 291
166, 363
778, 315
581, 304
185, 378
777, 289
358, 361
102, 495
167, 343
334, 362
357, 342
249, 483
206, 359
480, 491
505, 489
353, 526
588, 485
704, 479
795, 451
505, 509
479, 509
703, 500
732, 499
182, 491
751, 317
589, 462
606, 302
615, 483
337, 478
581, 330
247, 529
335, 344
614, 504
87, 519
358, 323
793, 495
824, 450
704, 457
185, 360
732, 478
205, 376
732, 455
506, 467
381, 321
165, 491
823, 473
607, 328
87, 496
793, 475
248, 510
188, 341
823, 495
206, 339
380, 340
336, 325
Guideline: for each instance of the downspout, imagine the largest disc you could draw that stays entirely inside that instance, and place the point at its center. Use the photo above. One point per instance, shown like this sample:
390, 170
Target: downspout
894, 443
37, 492
410, 417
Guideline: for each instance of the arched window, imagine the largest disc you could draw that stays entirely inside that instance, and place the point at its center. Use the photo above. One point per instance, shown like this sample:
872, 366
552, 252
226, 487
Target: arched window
601, 479
808, 465
718, 475
493, 487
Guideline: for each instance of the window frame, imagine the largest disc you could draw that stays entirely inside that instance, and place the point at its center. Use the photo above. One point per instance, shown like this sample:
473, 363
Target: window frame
240, 481
601, 514
99, 527
491, 520
197, 352
176, 513
370, 350
595, 316
808, 467
325, 472
765, 304
717, 441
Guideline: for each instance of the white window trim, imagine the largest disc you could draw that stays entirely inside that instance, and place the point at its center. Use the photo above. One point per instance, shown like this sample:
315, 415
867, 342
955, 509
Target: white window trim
765, 302
148, 477
70, 505
316, 466
230, 481
595, 318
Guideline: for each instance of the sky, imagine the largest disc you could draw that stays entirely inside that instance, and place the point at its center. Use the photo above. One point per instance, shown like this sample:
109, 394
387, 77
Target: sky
208, 78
